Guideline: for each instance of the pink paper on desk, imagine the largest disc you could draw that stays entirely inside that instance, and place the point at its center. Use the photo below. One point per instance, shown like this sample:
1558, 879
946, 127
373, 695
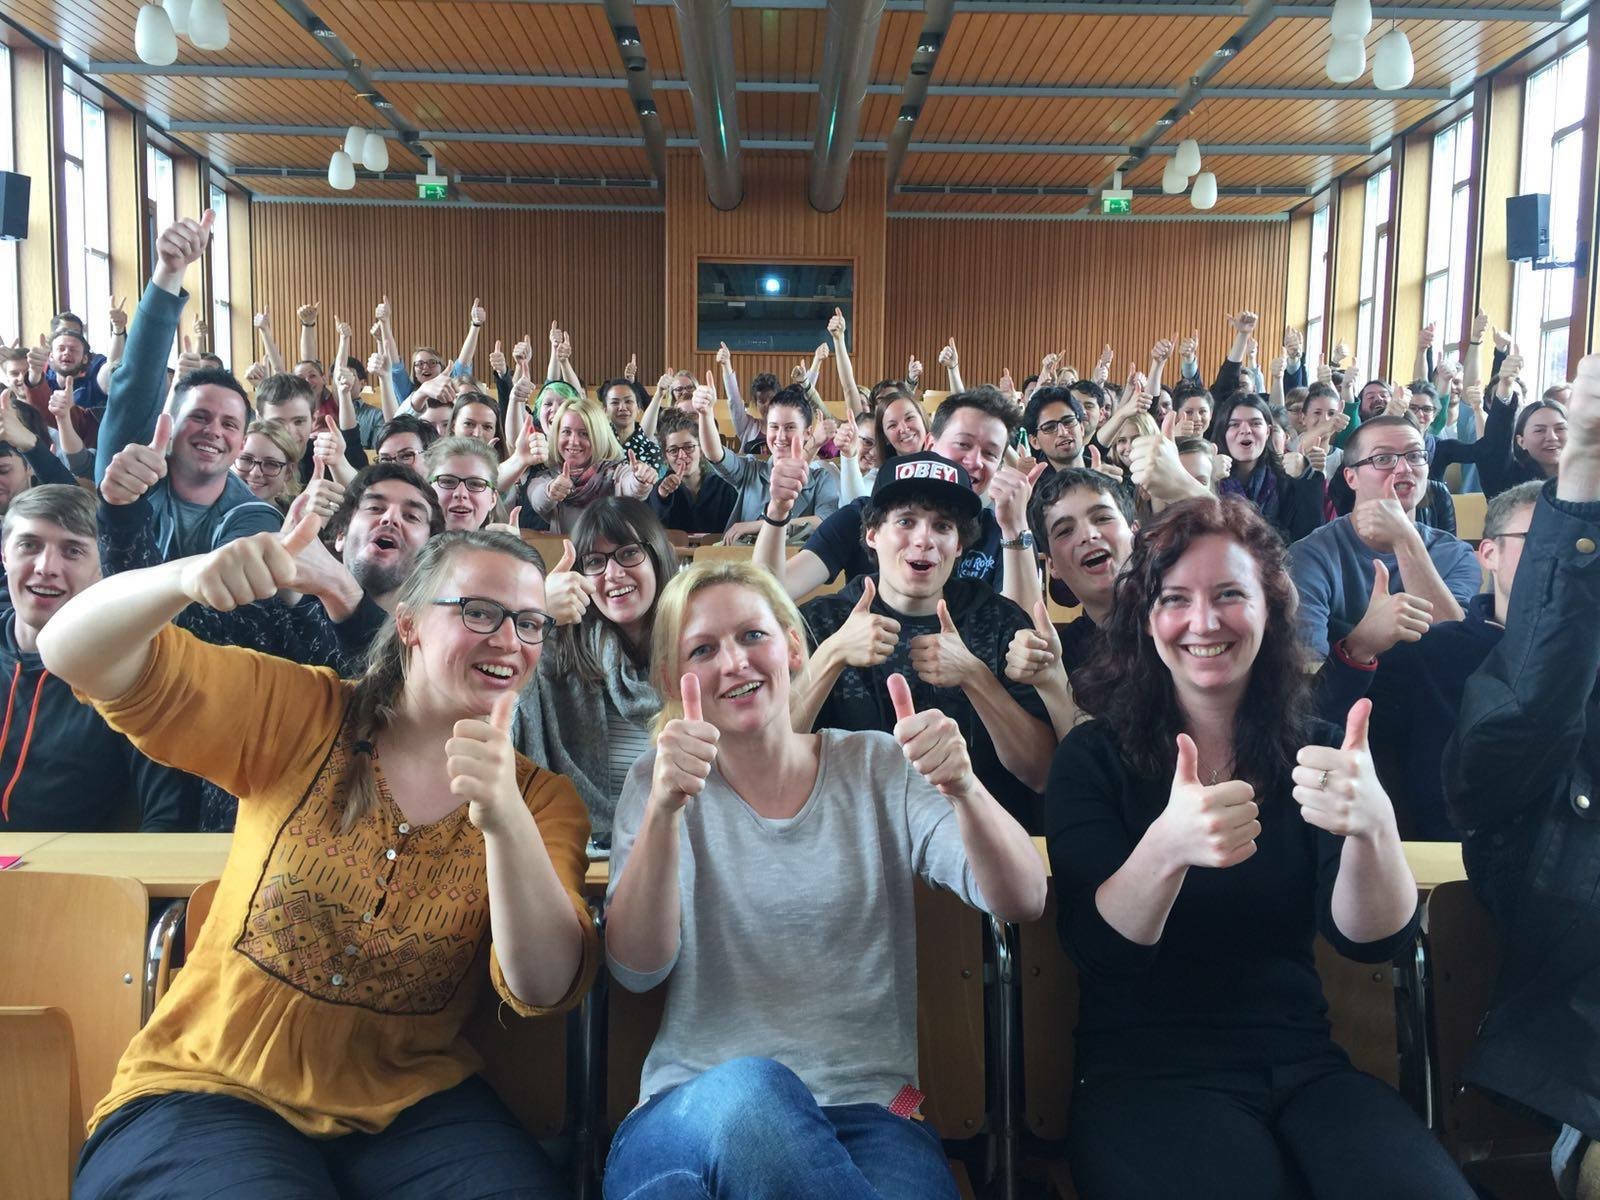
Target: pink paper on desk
9, 860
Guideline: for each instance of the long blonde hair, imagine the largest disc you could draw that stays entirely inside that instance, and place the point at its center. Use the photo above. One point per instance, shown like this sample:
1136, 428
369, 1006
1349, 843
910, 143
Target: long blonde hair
603, 444
378, 690
672, 609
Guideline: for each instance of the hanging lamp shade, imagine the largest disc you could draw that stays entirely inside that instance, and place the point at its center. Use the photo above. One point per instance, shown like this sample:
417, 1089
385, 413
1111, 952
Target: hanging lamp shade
1173, 181
153, 39
208, 25
1188, 157
1347, 60
178, 13
375, 152
1350, 18
341, 172
1392, 64
1204, 195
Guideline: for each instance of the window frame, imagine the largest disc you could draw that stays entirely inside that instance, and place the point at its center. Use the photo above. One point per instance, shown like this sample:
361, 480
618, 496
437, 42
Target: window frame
85, 171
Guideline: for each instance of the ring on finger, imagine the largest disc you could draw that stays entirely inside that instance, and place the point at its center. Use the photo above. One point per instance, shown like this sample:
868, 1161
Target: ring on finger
1322, 782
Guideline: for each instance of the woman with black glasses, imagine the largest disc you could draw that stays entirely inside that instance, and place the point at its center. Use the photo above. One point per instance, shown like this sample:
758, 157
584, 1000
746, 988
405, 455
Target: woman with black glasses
393, 854
462, 471
264, 462
590, 716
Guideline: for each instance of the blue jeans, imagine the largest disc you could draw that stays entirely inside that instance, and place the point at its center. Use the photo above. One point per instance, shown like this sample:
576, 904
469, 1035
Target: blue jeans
462, 1143
749, 1128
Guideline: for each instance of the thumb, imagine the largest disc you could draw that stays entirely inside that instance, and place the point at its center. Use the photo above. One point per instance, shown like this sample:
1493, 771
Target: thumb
500, 715
44, 342
1188, 762
569, 555
710, 381
320, 470
1169, 425
498, 347
163, 433
186, 344
1380, 579
1038, 470
331, 424
1041, 619
633, 459
477, 302
689, 689
207, 219
304, 532
566, 468
1094, 457
514, 517
946, 625
1388, 487
1355, 725
869, 592
900, 694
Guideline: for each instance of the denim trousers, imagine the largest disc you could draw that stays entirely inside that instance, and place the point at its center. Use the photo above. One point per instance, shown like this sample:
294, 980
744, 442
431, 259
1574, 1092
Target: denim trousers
750, 1130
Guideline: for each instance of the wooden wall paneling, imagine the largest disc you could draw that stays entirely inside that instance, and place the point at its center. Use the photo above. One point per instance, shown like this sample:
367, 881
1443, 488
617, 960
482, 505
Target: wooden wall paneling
241, 281
776, 222
1499, 178
125, 180
1011, 291
1585, 326
1297, 272
189, 182
1344, 261
1412, 164
598, 274
36, 80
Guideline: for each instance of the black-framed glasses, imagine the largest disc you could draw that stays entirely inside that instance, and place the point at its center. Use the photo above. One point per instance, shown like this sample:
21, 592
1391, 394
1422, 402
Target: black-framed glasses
427, 362
1508, 533
482, 615
594, 563
404, 457
1387, 460
1423, 413
1051, 428
269, 467
449, 483
681, 451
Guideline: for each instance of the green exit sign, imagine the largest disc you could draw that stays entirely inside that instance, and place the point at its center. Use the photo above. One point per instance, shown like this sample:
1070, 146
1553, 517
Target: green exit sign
1116, 204
433, 191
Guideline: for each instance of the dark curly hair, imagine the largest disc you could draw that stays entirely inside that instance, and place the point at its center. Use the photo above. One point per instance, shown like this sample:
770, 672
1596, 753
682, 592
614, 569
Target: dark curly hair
1127, 686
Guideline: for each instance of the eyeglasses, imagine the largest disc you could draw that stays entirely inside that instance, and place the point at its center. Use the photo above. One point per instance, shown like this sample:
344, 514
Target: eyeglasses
686, 389
1051, 428
449, 483
1423, 412
427, 362
486, 616
1494, 537
1386, 460
594, 563
407, 457
680, 451
269, 467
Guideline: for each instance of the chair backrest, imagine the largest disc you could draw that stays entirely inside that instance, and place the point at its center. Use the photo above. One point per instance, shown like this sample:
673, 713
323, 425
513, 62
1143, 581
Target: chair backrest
200, 902
950, 1022
41, 1110
1471, 508
718, 553
1361, 1000
1464, 957
549, 546
77, 943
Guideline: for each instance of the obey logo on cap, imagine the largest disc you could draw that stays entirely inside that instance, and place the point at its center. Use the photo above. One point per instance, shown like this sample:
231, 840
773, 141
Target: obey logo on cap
944, 472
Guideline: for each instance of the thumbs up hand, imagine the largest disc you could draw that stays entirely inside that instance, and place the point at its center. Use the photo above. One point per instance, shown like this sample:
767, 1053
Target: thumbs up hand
1338, 790
786, 480
1207, 825
483, 765
1390, 618
1034, 653
866, 638
567, 592
932, 743
685, 751
1382, 523
942, 659
135, 469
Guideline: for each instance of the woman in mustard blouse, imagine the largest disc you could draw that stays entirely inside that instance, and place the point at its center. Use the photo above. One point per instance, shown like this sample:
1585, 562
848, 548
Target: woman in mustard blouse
387, 835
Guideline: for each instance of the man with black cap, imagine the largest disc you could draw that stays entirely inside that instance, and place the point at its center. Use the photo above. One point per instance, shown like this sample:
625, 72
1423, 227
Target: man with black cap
947, 636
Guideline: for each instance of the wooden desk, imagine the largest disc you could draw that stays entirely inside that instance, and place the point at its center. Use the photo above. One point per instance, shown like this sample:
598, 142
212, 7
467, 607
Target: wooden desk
168, 864
1434, 863
24, 844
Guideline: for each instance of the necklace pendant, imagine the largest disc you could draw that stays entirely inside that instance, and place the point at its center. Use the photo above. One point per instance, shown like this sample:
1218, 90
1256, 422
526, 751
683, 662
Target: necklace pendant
1214, 776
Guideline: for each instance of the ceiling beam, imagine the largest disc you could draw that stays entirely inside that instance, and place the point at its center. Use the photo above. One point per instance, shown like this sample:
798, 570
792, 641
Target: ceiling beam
636, 78
405, 177
1003, 189
1087, 215
919, 77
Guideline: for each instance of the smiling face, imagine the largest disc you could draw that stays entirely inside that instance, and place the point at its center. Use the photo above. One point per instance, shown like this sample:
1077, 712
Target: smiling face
477, 421
917, 550
1058, 434
1208, 619
425, 365
1197, 411
463, 508
1089, 540
905, 427
1367, 481
295, 412
574, 443
209, 434
264, 455
312, 374
977, 441
1246, 436
622, 409
462, 672
386, 530
1543, 437
682, 450
624, 595
46, 565
742, 657
1374, 399
786, 429
402, 448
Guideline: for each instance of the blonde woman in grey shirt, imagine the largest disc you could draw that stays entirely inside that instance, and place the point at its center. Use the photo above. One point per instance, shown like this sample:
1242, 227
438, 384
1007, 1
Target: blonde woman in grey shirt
765, 876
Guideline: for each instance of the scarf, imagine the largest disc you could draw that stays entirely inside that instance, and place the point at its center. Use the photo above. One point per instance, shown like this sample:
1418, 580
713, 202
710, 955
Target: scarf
1260, 488
561, 722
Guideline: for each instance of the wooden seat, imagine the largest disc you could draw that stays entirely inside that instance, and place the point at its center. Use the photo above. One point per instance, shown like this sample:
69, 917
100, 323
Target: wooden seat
1471, 508
931, 401
549, 546
41, 1112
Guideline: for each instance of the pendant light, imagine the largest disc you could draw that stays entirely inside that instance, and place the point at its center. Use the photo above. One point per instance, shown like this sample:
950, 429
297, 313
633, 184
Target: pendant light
1188, 157
375, 152
355, 140
153, 38
341, 171
1347, 59
1204, 194
178, 13
208, 25
1392, 64
1173, 181
1350, 18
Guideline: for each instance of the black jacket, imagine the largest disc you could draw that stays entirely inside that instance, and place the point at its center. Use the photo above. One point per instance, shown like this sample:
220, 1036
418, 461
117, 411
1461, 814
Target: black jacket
1520, 779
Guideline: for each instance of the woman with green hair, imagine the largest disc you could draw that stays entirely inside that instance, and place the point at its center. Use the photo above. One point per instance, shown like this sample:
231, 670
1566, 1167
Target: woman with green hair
583, 462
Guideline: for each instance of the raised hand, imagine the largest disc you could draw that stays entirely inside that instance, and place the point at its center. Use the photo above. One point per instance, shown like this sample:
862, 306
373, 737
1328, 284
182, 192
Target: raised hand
322, 495
1293, 343
724, 356
561, 485
135, 469
183, 242
118, 316
836, 324
61, 405
1189, 347
932, 744
1243, 322
846, 439
1010, 490
1034, 653
642, 471
948, 358
685, 752
670, 482
555, 332
497, 358
1390, 618
1162, 350
188, 359
913, 369
39, 358
786, 480
866, 638
477, 314
482, 764
942, 659
522, 352
1008, 385
705, 396
1207, 825
1338, 790
568, 594
1382, 523
249, 569
308, 313
631, 371
1425, 338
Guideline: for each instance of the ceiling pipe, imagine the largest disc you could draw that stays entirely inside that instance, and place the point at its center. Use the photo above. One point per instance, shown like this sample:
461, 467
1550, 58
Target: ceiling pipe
705, 29
935, 24
630, 49
846, 67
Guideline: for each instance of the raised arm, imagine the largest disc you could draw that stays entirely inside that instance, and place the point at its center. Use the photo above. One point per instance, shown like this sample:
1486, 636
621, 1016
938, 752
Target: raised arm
950, 360
842, 365
269, 344
476, 316
1034, 658
308, 329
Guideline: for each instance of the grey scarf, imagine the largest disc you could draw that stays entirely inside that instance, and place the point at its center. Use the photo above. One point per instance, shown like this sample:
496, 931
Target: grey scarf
561, 722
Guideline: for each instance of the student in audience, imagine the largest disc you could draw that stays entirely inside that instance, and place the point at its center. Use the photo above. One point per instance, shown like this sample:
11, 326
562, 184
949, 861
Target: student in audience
62, 359
1386, 468
1053, 419
947, 636
290, 399
1519, 779
266, 462
67, 769
1204, 818
583, 463
688, 497
767, 873
475, 415
790, 418
899, 426
314, 1034
463, 472
590, 716
1199, 458
1092, 401
404, 439
858, 456
623, 400
27, 450
1244, 432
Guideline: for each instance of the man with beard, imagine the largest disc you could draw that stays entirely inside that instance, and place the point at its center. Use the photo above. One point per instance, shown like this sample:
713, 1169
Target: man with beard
1054, 420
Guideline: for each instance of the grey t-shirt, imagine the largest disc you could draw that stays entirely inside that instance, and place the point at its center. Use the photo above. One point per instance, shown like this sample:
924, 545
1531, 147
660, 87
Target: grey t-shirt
798, 937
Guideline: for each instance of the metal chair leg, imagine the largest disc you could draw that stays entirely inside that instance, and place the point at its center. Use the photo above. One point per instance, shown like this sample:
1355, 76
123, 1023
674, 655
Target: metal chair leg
1008, 1049
158, 954
589, 1140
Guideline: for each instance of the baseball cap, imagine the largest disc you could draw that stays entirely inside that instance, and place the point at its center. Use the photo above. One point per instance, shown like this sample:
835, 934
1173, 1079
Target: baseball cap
910, 477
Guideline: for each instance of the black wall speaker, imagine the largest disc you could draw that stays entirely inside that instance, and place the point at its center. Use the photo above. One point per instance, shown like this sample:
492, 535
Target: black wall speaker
13, 206
1528, 227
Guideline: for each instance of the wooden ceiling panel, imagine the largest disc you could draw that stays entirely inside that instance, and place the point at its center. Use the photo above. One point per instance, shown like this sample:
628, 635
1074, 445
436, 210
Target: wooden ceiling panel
1010, 119
1295, 121
1007, 170
658, 30
1238, 205
488, 193
778, 45
1038, 205
258, 32
778, 115
1055, 49
516, 109
897, 41
417, 35
266, 101
232, 150
1306, 170
318, 189
489, 158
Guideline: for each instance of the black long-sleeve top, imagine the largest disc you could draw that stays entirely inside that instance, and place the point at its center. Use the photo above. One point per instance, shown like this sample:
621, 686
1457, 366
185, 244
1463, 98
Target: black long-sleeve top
1232, 982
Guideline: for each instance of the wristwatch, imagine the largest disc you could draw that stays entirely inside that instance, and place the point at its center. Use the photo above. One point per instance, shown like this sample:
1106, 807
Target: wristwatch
1023, 541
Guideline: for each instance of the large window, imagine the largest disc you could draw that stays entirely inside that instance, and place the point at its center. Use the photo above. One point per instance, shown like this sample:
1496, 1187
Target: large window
161, 191
1449, 184
1374, 276
1552, 150
88, 213
221, 308
1317, 289
10, 288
